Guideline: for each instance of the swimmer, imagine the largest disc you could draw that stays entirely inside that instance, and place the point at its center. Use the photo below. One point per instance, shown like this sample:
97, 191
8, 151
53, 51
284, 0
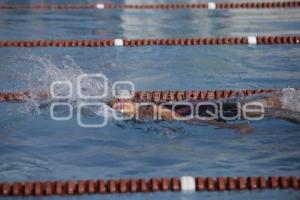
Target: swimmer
275, 105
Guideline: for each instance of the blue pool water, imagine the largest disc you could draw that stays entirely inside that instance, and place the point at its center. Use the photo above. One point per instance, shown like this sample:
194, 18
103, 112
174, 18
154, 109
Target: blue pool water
33, 146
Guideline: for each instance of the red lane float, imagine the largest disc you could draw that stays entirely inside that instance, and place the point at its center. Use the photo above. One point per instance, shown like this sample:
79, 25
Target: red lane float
142, 185
153, 96
250, 40
160, 6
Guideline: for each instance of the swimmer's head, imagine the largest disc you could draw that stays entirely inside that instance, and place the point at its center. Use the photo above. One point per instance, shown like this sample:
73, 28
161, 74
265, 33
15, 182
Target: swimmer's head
123, 106
123, 102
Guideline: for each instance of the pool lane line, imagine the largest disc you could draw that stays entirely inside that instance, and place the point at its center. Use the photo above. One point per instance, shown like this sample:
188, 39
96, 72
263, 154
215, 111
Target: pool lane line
250, 40
159, 6
142, 185
154, 96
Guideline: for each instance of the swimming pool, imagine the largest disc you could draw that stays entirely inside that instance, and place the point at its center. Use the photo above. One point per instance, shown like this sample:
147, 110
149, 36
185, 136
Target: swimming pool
35, 147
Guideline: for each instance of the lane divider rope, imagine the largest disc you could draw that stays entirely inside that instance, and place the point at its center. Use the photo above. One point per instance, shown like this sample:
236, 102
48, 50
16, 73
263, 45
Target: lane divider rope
251, 40
155, 96
142, 185
194, 95
209, 5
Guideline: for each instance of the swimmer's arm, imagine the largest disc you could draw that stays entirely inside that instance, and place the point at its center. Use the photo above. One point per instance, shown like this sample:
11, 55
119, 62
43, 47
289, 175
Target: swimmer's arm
167, 114
242, 128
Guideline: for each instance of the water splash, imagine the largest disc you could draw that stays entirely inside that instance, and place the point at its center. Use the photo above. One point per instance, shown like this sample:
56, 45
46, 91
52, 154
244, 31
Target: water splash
44, 71
290, 99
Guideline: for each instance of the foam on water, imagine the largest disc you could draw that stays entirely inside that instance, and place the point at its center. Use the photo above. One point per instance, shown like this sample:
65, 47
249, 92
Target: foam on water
44, 71
290, 99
